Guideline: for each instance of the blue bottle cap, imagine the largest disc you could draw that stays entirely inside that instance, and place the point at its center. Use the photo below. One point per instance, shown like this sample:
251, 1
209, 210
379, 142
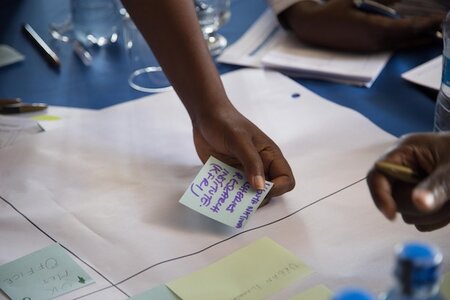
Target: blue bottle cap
353, 294
417, 264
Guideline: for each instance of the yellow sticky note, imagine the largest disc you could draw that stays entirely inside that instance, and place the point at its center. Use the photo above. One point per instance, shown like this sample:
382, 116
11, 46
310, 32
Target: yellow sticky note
445, 286
318, 292
46, 118
253, 272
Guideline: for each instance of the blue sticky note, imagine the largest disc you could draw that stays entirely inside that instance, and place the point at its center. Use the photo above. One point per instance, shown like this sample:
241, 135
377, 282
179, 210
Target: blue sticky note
161, 292
222, 193
44, 274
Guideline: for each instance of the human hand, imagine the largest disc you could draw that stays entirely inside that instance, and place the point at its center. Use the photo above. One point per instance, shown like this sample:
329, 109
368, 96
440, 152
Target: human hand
427, 204
233, 139
219, 129
337, 24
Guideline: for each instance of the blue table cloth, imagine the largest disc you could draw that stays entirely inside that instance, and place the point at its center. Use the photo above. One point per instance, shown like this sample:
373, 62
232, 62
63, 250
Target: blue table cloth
392, 103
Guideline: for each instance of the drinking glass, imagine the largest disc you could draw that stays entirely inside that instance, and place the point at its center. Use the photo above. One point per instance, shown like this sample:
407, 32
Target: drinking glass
213, 14
90, 22
146, 74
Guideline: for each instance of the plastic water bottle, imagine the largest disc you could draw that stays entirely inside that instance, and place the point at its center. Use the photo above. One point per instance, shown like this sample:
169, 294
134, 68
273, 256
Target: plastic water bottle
417, 273
442, 112
353, 294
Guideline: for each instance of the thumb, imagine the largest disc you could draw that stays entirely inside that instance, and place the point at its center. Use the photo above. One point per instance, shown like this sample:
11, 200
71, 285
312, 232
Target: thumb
432, 193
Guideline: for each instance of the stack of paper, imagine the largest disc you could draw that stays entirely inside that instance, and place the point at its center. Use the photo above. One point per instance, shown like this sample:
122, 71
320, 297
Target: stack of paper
265, 44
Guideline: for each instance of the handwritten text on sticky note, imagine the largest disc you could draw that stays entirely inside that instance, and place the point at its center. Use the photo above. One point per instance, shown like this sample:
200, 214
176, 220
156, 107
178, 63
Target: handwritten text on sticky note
44, 274
222, 193
256, 271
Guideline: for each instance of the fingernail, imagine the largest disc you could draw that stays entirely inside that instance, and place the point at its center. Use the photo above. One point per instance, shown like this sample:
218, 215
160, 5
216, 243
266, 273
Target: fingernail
258, 182
387, 214
429, 200
424, 199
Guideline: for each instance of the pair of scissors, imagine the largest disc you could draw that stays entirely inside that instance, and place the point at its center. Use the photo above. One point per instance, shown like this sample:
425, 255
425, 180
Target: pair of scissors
16, 106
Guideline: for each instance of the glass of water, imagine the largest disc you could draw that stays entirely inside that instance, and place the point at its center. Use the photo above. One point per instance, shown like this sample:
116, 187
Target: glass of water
213, 14
91, 22
146, 73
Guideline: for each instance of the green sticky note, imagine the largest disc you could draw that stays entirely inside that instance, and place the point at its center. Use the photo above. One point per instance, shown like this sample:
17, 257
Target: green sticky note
222, 193
46, 118
318, 292
253, 272
44, 274
445, 286
161, 292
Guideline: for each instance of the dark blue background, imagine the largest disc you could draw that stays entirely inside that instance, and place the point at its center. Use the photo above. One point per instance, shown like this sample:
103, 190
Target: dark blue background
392, 103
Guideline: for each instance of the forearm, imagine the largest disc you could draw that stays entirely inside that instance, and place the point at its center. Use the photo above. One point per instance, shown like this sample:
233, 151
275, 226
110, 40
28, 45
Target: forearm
172, 30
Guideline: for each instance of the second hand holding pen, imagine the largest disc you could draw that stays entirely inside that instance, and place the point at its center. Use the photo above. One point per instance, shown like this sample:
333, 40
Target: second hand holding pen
399, 172
373, 7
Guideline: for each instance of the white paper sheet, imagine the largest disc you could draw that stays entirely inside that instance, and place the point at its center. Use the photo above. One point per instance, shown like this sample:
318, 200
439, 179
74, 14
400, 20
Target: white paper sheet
107, 187
19, 126
265, 44
13, 129
428, 74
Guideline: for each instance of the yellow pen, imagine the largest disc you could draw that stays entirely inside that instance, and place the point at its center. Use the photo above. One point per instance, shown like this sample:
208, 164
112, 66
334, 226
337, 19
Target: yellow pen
399, 172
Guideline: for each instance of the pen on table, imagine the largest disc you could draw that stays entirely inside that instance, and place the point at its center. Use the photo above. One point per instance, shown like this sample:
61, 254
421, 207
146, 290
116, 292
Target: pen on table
373, 7
9, 101
399, 172
43, 48
16, 106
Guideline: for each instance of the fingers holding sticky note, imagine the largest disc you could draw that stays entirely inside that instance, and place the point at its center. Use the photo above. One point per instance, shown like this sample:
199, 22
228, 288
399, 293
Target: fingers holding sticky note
222, 193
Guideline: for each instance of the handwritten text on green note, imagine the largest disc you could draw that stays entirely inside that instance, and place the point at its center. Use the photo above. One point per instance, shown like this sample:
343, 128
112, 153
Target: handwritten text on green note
222, 193
253, 272
44, 274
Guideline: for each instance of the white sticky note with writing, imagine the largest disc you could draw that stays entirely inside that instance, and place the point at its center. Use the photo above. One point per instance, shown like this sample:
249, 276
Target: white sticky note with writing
222, 193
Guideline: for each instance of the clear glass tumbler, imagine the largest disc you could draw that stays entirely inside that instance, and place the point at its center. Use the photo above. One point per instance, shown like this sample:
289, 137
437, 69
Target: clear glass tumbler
91, 22
146, 75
